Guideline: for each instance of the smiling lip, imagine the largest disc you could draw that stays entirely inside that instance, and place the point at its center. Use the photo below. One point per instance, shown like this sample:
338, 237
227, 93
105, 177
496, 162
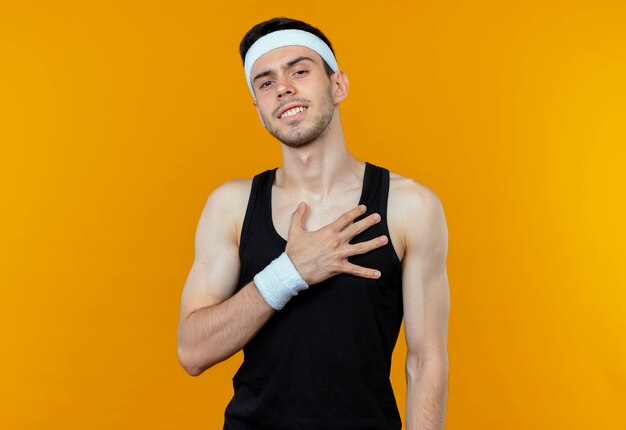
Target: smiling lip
289, 107
293, 117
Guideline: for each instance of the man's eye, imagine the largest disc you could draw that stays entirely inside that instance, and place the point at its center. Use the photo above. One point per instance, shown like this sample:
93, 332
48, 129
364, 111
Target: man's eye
301, 72
263, 84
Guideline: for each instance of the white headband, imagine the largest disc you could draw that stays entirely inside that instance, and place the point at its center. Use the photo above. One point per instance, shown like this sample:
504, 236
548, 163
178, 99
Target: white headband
281, 38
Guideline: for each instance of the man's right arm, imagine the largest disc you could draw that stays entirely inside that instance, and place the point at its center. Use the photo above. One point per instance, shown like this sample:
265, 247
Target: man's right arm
214, 324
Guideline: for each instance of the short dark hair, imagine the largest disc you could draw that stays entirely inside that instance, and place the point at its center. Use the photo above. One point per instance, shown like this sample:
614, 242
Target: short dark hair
280, 23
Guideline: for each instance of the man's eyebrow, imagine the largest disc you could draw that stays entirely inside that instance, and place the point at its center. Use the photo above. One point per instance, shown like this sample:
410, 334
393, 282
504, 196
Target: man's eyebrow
297, 60
285, 66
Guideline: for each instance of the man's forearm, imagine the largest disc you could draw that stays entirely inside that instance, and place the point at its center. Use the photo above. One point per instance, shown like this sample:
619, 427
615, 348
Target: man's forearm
214, 333
426, 396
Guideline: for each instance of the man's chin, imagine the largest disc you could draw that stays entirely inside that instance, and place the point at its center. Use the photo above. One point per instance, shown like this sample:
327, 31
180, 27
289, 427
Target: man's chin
296, 143
294, 139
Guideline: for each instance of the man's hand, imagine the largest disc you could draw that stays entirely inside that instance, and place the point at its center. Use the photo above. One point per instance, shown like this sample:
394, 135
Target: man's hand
321, 254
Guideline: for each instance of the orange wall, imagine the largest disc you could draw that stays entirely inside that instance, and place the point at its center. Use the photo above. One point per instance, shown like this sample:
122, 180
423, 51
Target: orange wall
118, 118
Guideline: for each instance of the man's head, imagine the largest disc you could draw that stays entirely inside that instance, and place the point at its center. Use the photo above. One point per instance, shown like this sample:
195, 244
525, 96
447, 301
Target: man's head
293, 74
277, 24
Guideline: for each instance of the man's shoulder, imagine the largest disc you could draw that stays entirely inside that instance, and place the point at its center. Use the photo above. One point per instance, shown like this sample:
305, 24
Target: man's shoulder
409, 193
231, 196
412, 207
229, 201
233, 190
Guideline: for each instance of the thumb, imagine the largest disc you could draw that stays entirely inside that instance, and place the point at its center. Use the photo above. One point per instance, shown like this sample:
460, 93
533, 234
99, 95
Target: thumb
297, 218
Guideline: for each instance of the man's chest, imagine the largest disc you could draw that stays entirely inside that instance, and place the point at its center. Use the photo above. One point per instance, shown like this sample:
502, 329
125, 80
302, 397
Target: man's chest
282, 206
323, 214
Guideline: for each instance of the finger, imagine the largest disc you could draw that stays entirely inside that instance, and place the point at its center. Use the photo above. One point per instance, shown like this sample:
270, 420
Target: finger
355, 228
348, 217
363, 272
364, 247
297, 218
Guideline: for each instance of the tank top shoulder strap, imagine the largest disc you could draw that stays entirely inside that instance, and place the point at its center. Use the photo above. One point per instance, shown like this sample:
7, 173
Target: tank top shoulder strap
253, 209
376, 197
384, 192
371, 185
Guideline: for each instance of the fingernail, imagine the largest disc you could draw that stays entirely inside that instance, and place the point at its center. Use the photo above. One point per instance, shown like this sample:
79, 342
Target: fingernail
377, 274
383, 239
362, 208
377, 217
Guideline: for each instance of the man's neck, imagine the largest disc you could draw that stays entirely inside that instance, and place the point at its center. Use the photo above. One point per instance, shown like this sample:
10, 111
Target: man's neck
318, 169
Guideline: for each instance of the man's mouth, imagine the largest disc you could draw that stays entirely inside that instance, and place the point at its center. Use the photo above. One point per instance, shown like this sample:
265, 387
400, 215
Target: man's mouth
292, 112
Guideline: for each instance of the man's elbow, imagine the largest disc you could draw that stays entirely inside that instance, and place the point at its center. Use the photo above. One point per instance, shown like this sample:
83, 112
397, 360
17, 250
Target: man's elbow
190, 364
427, 362
185, 362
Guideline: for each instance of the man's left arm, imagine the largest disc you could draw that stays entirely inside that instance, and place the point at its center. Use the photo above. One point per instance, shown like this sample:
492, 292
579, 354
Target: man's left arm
426, 299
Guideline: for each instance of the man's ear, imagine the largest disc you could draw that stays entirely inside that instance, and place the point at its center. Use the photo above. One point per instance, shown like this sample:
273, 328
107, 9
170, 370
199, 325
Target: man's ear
340, 86
259, 113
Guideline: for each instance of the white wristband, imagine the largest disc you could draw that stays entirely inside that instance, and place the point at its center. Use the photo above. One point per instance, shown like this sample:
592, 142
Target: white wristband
279, 282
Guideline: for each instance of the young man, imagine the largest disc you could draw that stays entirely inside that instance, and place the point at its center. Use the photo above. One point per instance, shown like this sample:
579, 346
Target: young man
315, 293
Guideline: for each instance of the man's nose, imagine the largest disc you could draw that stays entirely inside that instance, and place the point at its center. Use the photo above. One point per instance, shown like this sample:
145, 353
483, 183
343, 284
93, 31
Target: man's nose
283, 87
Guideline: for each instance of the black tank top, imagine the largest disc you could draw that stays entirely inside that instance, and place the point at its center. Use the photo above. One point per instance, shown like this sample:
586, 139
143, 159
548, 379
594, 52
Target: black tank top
323, 361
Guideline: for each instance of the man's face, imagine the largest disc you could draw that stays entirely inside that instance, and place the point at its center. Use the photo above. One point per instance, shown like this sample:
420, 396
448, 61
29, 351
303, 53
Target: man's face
294, 96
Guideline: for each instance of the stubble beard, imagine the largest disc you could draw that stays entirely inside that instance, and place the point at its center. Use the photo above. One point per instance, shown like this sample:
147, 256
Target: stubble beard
298, 136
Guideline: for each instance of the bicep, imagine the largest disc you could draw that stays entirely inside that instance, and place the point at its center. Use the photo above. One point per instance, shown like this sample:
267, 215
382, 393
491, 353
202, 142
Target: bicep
426, 296
215, 270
